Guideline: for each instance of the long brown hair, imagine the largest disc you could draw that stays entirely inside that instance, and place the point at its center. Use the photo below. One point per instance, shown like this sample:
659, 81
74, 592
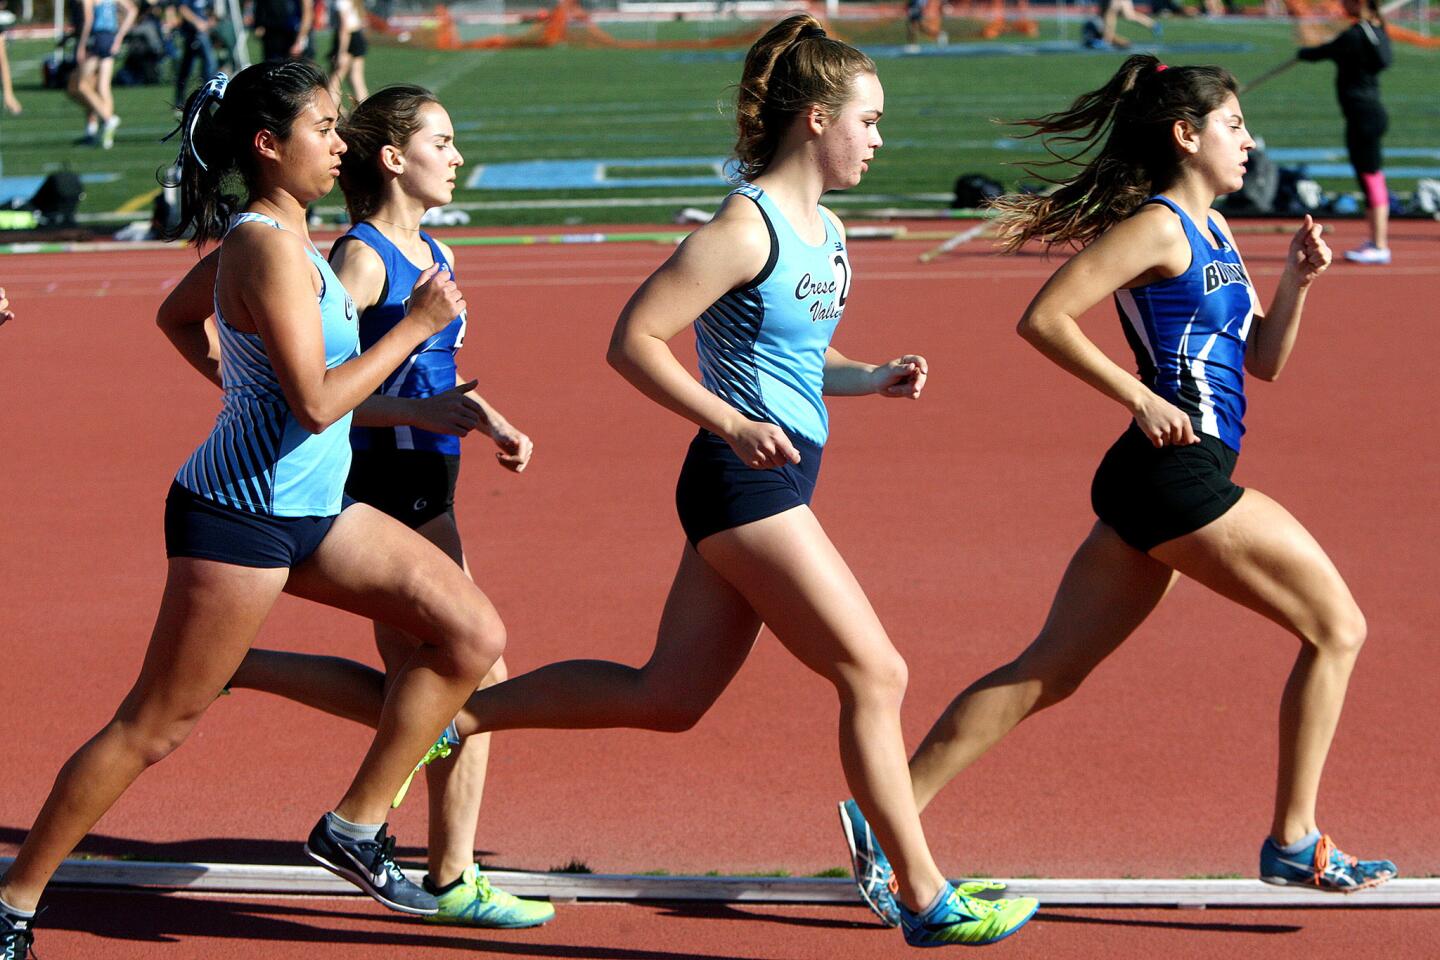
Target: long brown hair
388, 117
1133, 115
793, 67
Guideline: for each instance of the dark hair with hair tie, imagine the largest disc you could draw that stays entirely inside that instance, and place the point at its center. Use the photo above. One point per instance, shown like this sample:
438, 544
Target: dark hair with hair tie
217, 168
793, 67
1133, 114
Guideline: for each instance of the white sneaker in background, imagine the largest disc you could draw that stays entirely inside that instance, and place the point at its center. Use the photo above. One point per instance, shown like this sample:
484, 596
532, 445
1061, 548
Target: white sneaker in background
1367, 252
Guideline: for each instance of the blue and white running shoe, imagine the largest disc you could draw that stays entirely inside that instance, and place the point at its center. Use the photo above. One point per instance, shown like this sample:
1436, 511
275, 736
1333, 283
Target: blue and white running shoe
370, 865
872, 870
1322, 866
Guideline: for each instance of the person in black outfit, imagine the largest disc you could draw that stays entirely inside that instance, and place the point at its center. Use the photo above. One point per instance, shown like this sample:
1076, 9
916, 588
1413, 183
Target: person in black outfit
284, 28
1360, 53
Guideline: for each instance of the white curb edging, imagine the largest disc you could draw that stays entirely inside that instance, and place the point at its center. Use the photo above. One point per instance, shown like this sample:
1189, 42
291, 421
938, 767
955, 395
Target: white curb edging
306, 880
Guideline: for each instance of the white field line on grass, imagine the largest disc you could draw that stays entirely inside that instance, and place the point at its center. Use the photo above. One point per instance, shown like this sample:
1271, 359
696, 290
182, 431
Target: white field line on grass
314, 881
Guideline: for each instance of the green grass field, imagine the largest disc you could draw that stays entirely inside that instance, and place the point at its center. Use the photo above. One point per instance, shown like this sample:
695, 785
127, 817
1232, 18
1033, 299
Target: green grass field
578, 104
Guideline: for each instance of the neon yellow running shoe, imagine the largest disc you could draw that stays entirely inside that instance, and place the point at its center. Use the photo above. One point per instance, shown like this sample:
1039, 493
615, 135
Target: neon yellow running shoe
472, 901
439, 750
961, 919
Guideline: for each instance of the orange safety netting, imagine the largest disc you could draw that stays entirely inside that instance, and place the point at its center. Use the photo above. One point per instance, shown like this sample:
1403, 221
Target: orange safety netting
566, 23
1331, 10
998, 16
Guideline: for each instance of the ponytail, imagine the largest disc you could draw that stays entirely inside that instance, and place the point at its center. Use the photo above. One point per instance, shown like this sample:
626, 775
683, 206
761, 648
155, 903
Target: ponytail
216, 170
1133, 114
793, 67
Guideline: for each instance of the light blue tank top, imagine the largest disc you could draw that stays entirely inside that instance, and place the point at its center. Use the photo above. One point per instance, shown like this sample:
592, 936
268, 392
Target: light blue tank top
1188, 332
430, 367
106, 16
762, 347
258, 458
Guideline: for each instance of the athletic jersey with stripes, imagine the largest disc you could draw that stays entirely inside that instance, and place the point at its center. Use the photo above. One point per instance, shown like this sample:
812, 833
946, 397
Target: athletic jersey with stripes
1188, 332
762, 346
430, 368
258, 458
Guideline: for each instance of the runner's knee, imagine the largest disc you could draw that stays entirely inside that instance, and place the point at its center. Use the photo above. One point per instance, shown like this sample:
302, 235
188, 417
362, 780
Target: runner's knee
482, 645
1343, 633
154, 740
1054, 681
473, 638
882, 676
499, 673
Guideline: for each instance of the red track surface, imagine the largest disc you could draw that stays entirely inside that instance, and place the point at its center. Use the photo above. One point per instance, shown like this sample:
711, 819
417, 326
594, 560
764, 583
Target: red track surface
958, 514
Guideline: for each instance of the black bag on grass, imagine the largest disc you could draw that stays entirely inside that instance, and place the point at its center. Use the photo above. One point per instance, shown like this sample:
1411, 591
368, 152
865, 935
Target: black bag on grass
975, 190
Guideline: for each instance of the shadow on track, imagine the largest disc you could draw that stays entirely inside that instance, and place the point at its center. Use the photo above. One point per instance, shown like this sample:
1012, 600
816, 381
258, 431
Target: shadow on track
1207, 926
154, 918
725, 911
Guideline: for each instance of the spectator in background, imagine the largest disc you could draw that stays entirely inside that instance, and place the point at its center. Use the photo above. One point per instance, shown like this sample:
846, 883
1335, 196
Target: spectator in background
100, 28
1360, 53
347, 58
1159, 8
147, 47
1113, 11
284, 28
197, 19
11, 104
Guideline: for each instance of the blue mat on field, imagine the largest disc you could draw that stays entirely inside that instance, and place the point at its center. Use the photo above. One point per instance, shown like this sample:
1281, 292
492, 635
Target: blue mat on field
992, 48
589, 174
24, 187
1333, 162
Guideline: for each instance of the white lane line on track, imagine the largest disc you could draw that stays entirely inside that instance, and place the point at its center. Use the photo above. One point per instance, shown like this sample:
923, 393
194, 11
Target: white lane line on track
1159, 892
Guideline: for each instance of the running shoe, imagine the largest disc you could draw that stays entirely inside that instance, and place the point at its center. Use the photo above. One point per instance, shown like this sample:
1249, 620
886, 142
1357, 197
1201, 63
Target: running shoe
107, 131
15, 937
871, 868
474, 902
1322, 866
965, 920
370, 865
439, 750
1367, 252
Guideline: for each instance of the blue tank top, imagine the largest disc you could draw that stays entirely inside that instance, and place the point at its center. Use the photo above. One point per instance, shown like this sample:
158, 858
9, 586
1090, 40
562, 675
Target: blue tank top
105, 16
762, 346
1188, 332
430, 368
258, 458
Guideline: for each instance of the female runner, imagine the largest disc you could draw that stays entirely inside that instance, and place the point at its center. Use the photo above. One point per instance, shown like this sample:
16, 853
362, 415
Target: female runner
258, 508
1360, 53
400, 161
1141, 209
768, 279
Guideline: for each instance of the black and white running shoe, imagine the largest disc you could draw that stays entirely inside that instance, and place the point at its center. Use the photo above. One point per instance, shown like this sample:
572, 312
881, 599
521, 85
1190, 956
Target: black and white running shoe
15, 937
370, 865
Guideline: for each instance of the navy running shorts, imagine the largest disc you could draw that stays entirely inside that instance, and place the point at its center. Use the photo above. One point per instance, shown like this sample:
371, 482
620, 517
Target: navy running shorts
101, 43
413, 486
1152, 494
717, 491
207, 530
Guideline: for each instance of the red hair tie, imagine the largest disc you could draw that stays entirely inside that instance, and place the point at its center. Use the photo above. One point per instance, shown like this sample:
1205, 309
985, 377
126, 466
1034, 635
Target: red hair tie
1162, 68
